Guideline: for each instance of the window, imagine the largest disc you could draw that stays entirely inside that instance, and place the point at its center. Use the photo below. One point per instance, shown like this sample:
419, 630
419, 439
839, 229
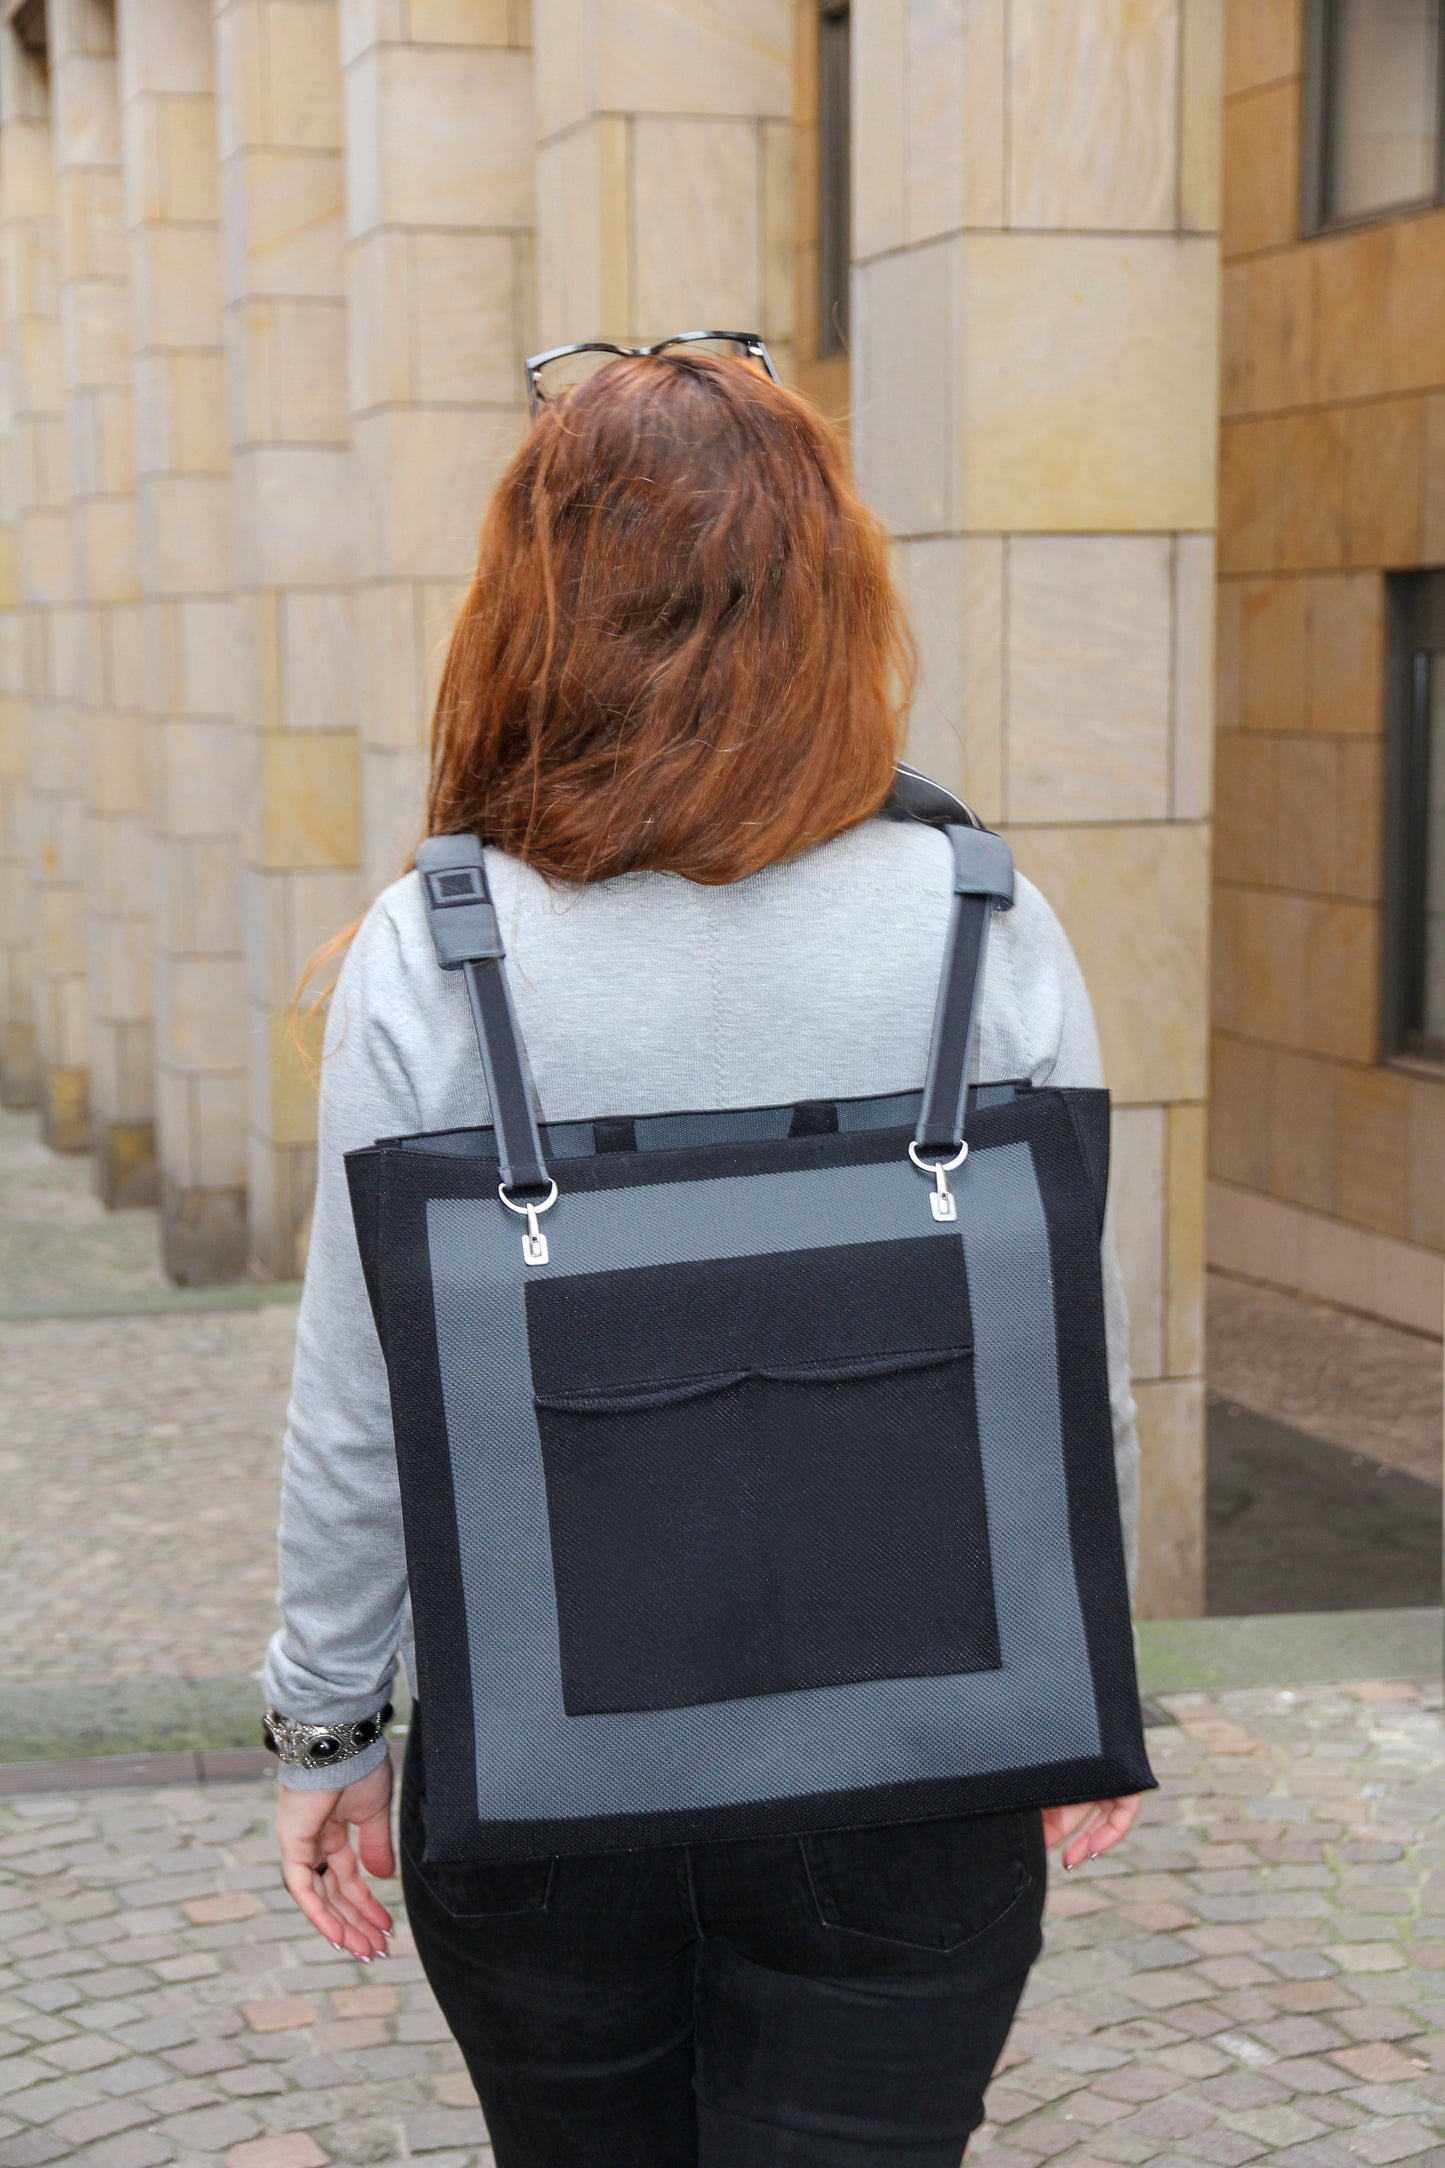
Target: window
833, 177
1373, 111
1415, 856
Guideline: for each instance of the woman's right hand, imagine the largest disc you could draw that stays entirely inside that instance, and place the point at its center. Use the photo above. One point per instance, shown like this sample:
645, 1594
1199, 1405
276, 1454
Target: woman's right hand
1088, 1831
322, 1870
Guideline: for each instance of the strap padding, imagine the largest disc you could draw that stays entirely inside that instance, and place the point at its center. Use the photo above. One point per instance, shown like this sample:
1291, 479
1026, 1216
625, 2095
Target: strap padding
459, 911
463, 920
983, 881
983, 865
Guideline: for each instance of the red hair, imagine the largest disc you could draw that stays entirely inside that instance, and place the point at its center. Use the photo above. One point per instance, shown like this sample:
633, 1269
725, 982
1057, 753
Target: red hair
681, 649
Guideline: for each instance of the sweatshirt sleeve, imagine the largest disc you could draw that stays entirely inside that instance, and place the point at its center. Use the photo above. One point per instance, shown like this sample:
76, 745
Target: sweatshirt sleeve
342, 1560
1067, 1053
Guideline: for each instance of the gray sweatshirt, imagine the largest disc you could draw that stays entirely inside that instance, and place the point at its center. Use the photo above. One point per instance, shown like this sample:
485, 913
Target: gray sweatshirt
645, 995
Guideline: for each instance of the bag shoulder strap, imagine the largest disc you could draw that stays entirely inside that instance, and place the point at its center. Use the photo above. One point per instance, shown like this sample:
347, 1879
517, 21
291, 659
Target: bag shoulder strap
463, 920
983, 881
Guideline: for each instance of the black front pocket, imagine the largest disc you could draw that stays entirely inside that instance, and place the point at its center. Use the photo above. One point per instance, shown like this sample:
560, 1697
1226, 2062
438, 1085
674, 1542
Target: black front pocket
762, 1474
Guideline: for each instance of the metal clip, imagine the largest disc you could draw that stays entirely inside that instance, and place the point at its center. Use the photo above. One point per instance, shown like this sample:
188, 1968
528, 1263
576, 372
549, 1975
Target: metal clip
942, 1204
534, 1242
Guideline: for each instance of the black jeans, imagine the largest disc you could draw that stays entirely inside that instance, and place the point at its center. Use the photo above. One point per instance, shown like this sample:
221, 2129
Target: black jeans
829, 2001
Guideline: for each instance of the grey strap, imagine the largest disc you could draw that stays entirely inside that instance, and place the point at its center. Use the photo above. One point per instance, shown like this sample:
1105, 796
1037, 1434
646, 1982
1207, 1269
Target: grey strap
983, 879
463, 923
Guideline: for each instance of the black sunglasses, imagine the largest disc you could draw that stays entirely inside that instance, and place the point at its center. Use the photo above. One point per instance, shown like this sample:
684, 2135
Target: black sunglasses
551, 374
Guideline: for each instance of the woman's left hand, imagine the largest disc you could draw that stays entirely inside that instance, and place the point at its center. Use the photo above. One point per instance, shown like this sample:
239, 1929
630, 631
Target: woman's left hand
1087, 1832
323, 1872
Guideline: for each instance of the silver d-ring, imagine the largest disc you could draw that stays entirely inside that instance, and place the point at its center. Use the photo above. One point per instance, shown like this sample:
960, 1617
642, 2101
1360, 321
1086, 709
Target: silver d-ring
937, 1166
522, 1210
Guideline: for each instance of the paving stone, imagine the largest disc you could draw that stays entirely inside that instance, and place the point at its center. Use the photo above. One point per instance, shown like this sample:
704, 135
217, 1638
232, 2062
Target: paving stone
440, 2127
283, 2013
134, 2149
33, 2148
102, 2120
1378, 2063
209, 2130
294, 2149
1392, 2141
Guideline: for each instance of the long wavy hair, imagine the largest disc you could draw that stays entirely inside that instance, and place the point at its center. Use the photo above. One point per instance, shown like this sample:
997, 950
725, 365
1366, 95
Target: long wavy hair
681, 649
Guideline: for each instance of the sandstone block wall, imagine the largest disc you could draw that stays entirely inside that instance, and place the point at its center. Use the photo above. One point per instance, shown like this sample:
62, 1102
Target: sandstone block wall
1328, 1161
1035, 346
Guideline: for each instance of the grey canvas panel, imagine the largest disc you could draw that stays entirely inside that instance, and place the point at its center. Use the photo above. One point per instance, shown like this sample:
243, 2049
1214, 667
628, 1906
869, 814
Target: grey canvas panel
535, 1762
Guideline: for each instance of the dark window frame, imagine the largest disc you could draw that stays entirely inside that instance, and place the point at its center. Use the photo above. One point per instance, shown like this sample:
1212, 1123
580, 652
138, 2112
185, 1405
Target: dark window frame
834, 175
1416, 630
1320, 31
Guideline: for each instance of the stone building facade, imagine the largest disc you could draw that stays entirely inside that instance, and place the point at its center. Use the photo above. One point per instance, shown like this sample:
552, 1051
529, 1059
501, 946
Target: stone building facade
268, 271
1328, 1123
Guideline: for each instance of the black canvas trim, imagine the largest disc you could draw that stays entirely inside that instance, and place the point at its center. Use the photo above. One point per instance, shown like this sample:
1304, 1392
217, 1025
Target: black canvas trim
815, 1118
614, 1134
1095, 1528
364, 1171
1048, 1784
574, 1140
1089, 1113
407, 1328
474, 1175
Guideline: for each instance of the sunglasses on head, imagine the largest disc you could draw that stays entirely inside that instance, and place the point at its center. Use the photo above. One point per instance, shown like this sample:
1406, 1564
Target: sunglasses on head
561, 368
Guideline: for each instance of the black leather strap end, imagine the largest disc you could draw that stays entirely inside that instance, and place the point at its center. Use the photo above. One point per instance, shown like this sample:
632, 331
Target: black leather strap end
459, 909
983, 865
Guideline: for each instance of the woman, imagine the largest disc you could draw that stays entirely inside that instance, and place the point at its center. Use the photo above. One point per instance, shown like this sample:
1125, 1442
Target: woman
673, 700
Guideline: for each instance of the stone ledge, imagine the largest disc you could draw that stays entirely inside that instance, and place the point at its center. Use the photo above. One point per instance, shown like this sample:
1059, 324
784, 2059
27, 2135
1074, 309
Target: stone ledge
154, 1301
90, 1720
1289, 1648
109, 1772
69, 1720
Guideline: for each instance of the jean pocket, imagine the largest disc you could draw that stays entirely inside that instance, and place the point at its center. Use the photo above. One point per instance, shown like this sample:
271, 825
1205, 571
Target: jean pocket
485, 1889
928, 1885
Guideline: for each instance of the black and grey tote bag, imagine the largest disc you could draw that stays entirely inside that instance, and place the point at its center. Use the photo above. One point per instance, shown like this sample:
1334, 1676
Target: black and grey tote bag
757, 1467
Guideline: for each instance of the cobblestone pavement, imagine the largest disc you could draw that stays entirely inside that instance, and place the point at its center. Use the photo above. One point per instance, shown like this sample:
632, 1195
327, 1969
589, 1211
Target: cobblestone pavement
57, 1240
1257, 1976
139, 1456
140, 1459
1363, 1384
